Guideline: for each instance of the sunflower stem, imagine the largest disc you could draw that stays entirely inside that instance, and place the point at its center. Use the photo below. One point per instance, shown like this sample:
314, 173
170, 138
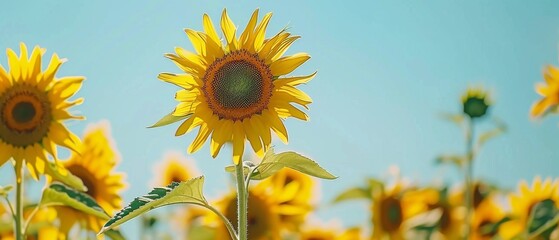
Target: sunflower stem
19, 203
468, 178
242, 202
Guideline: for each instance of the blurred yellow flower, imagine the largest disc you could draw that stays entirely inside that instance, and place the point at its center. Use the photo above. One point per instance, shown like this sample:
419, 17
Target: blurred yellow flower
33, 104
549, 90
174, 168
475, 102
323, 233
523, 201
234, 91
291, 192
390, 212
486, 213
40, 227
95, 167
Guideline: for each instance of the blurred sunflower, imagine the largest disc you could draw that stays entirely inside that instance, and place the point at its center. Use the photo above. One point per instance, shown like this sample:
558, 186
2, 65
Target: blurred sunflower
95, 167
33, 104
291, 191
475, 102
486, 220
263, 222
390, 212
174, 168
235, 90
523, 203
40, 226
322, 233
549, 91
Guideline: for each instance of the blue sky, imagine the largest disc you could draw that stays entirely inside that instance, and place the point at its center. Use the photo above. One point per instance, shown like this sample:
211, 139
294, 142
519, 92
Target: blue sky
386, 69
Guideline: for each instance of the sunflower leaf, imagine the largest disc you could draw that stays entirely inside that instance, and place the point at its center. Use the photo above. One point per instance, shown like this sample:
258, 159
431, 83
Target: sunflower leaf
457, 160
352, 194
500, 128
543, 217
58, 194
114, 235
168, 119
272, 163
60, 174
5, 190
184, 192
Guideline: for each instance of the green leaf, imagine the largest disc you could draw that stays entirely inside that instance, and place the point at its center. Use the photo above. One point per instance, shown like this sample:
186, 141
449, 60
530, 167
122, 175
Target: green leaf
500, 128
490, 229
60, 174
58, 194
543, 216
115, 235
185, 192
353, 193
168, 119
272, 163
5, 190
457, 160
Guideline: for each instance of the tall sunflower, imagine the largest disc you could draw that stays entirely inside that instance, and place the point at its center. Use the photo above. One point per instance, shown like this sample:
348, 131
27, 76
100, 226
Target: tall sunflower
523, 202
237, 90
174, 168
94, 166
33, 105
549, 90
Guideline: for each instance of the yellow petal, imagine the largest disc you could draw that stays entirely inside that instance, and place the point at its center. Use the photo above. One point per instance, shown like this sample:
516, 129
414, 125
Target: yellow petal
35, 64
238, 142
276, 124
289, 111
187, 65
260, 32
48, 75
281, 48
286, 65
13, 62
188, 125
263, 131
229, 29
67, 86
195, 58
61, 136
539, 108
253, 137
189, 96
4, 154
209, 29
293, 81
551, 75
205, 129
248, 31
213, 50
292, 94
269, 44
220, 136
185, 108
181, 80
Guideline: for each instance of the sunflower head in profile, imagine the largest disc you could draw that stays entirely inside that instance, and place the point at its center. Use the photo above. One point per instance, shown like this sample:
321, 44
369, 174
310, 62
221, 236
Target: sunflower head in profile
524, 202
389, 211
174, 168
292, 193
95, 167
475, 102
549, 90
33, 105
237, 90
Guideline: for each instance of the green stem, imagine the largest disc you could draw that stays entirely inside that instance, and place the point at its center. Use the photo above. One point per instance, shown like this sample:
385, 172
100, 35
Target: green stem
242, 202
468, 177
19, 204
28, 221
11, 208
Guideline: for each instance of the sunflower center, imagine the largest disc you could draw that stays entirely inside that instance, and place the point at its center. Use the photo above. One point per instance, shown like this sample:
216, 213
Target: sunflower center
87, 178
238, 85
23, 112
391, 214
25, 115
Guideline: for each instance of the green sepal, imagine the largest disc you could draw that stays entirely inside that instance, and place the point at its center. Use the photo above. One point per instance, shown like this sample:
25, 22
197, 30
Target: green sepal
184, 192
58, 194
168, 119
454, 159
272, 163
353, 193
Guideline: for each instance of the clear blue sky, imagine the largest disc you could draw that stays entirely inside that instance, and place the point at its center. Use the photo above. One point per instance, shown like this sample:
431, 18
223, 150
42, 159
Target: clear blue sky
386, 69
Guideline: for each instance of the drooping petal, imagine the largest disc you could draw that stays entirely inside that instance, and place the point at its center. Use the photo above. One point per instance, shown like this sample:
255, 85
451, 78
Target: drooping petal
220, 136
201, 138
263, 131
276, 124
286, 65
181, 80
252, 135
293, 81
238, 142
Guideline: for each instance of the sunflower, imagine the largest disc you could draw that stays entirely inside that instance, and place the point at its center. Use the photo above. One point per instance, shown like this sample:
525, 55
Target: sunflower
94, 166
322, 233
549, 91
33, 104
475, 102
237, 90
390, 212
175, 168
263, 222
292, 192
523, 202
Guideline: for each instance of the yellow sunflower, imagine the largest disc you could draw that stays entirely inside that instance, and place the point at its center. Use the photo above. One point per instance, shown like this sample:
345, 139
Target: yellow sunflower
33, 104
523, 202
322, 233
237, 90
475, 102
390, 212
174, 168
95, 166
549, 91
291, 192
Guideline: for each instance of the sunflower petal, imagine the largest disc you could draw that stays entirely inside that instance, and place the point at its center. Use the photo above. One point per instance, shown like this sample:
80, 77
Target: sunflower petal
260, 32
281, 48
238, 142
286, 65
188, 125
67, 86
290, 111
35, 61
186, 64
229, 29
221, 136
249, 31
13, 62
276, 124
48, 75
196, 41
181, 80
293, 81
209, 29
253, 137
539, 108
263, 130
201, 138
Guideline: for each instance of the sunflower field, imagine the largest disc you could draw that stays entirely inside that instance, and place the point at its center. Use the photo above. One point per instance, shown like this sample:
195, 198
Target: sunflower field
291, 120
